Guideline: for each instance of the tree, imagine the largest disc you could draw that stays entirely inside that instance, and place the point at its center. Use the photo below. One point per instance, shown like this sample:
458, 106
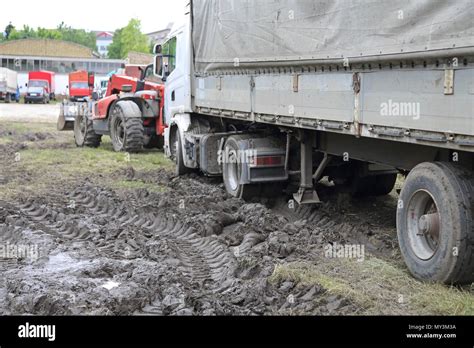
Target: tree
52, 34
8, 29
127, 39
62, 32
115, 48
78, 36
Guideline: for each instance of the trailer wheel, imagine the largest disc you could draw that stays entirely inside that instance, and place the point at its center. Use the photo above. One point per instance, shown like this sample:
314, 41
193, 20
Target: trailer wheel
84, 134
435, 223
232, 172
126, 127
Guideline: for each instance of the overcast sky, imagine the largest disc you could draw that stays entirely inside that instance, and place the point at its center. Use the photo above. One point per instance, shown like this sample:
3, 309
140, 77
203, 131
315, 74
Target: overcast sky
91, 14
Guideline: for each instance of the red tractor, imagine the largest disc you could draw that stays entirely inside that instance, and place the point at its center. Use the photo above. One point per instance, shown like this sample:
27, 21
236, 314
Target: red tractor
131, 113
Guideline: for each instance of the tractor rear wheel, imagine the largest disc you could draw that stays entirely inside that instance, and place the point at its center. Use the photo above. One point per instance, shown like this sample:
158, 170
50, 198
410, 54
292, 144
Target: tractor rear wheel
126, 127
84, 134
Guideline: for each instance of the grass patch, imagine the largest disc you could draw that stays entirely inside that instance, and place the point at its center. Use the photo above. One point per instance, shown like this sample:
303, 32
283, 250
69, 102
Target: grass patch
379, 287
29, 127
51, 167
56, 161
136, 185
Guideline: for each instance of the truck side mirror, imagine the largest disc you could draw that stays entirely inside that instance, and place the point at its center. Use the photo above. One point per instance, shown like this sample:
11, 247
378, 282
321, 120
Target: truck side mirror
158, 66
157, 49
95, 96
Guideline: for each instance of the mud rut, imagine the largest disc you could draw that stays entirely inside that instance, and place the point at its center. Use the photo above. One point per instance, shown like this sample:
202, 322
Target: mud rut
188, 250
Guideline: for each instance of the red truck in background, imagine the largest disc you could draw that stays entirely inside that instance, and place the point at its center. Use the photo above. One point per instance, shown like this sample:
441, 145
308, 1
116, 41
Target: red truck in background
81, 85
41, 87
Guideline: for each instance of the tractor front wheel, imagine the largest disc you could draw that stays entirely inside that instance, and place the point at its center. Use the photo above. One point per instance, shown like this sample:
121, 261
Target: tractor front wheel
84, 134
126, 127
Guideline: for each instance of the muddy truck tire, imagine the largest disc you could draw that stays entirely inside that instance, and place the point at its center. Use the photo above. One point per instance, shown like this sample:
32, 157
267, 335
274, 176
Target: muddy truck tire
178, 156
232, 171
126, 127
84, 134
435, 223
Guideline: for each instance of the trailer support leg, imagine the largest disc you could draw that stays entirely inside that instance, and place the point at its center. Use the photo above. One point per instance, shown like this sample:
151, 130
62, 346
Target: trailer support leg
306, 194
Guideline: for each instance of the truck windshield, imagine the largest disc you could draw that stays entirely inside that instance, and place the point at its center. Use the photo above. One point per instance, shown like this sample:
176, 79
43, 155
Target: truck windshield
38, 83
79, 85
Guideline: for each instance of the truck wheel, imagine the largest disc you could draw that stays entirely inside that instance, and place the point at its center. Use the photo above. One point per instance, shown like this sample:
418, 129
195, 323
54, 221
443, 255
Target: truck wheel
126, 127
435, 223
373, 185
84, 134
7, 98
178, 156
232, 172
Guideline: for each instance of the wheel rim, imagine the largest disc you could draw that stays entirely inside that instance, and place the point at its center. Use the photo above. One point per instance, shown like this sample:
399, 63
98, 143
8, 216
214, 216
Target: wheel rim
423, 222
232, 171
82, 128
119, 134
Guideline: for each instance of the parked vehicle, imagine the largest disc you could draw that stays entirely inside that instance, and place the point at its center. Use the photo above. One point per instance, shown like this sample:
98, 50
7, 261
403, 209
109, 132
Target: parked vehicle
357, 106
81, 85
8, 85
37, 95
41, 87
130, 112
102, 91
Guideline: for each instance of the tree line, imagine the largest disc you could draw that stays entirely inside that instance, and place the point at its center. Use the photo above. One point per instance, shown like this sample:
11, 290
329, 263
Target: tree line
126, 39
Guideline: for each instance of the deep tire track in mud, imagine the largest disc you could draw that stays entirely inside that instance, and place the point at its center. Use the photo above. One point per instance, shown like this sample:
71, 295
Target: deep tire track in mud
188, 250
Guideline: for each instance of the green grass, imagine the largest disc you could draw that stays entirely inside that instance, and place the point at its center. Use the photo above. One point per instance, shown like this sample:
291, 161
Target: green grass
379, 287
57, 161
136, 185
19, 128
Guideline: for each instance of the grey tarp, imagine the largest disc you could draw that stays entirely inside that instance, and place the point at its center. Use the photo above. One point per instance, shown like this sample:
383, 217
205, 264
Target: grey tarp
227, 33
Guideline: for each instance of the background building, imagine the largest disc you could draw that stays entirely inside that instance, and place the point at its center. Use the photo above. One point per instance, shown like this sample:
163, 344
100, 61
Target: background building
54, 55
159, 37
138, 58
104, 39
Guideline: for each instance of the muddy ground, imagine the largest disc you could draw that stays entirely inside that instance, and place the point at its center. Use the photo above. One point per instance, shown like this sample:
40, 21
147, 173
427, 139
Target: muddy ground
130, 238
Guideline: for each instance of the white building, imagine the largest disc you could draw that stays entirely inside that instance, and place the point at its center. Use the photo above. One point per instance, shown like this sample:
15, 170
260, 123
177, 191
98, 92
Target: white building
60, 57
159, 37
104, 39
